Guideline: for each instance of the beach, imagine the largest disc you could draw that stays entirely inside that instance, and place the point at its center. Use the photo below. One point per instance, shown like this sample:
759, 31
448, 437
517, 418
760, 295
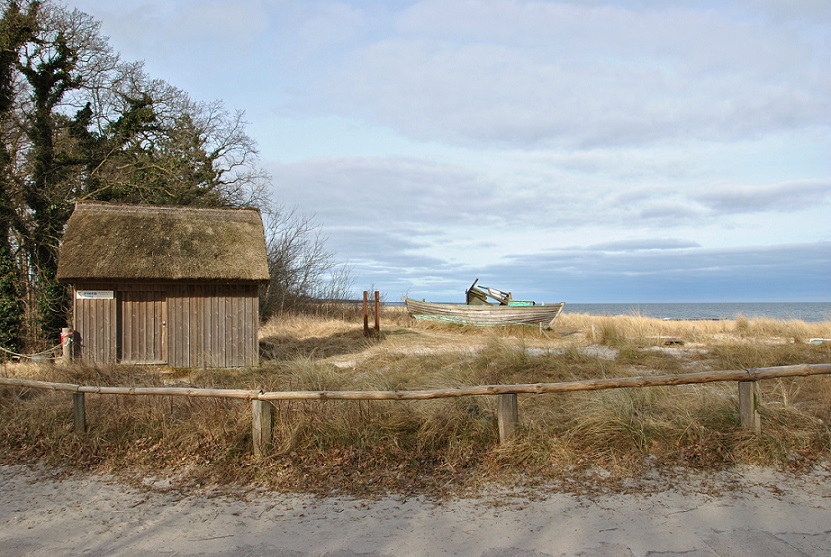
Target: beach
741, 511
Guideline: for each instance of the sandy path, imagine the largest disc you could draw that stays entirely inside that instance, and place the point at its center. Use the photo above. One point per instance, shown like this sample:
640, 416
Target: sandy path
765, 513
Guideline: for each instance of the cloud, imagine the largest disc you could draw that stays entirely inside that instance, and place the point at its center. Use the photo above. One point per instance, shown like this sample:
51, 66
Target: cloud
209, 48
584, 150
161, 27
459, 215
781, 197
376, 247
331, 24
422, 195
234, 23
531, 74
812, 11
428, 229
520, 74
399, 191
786, 272
668, 211
645, 244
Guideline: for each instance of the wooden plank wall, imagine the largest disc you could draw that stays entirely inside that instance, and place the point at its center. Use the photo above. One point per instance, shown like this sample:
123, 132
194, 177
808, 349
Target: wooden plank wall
206, 325
213, 326
143, 320
96, 322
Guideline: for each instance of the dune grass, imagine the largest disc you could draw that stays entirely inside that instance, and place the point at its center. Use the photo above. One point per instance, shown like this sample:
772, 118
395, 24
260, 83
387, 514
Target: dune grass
447, 445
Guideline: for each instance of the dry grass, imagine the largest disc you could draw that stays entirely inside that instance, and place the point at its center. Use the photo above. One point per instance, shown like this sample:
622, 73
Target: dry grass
440, 446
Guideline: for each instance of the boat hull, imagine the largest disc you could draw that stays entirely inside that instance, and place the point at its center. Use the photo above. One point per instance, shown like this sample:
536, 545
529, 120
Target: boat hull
485, 316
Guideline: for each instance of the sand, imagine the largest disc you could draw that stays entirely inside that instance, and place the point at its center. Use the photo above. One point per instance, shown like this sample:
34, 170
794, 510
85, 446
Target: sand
744, 511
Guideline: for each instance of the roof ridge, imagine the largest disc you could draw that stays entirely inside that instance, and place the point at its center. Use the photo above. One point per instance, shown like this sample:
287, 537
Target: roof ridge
127, 207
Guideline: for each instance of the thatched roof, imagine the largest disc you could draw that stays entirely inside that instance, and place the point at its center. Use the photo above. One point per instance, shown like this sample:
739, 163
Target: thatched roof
122, 242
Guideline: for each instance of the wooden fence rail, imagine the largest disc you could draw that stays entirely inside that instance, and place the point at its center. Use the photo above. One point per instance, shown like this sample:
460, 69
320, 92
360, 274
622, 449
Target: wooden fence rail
507, 407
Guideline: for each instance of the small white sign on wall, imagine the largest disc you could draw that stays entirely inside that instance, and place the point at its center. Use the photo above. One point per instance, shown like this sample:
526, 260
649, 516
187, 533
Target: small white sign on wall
94, 294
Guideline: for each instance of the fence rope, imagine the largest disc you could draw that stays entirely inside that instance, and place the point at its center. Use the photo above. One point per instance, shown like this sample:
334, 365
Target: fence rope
49, 351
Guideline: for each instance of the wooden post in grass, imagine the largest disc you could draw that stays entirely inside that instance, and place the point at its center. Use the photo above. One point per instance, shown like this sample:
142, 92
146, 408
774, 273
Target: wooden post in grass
377, 314
80, 412
507, 416
261, 428
366, 313
377, 310
749, 406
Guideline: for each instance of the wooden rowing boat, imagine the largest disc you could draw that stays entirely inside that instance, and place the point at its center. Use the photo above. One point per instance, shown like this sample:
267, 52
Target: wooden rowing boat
486, 315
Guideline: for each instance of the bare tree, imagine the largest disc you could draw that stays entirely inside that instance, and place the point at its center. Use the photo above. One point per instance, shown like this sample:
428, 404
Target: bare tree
302, 270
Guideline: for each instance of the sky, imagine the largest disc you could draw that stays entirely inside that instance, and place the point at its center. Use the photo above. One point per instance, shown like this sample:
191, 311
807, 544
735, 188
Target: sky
580, 151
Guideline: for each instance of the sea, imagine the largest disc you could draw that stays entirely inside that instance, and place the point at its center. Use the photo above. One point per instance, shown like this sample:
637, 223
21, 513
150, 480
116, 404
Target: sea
811, 312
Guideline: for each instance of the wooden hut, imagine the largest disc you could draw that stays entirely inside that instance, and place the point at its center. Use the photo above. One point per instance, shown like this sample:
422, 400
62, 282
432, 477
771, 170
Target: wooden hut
165, 285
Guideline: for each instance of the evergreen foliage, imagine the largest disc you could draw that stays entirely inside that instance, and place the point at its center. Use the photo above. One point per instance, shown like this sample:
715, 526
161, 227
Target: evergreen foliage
11, 306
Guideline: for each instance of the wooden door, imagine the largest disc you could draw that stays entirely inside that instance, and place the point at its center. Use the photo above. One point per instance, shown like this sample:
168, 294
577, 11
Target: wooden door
143, 327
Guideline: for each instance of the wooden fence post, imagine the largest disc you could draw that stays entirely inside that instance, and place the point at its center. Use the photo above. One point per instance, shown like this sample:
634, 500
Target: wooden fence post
261, 426
366, 313
80, 411
749, 406
377, 314
507, 416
